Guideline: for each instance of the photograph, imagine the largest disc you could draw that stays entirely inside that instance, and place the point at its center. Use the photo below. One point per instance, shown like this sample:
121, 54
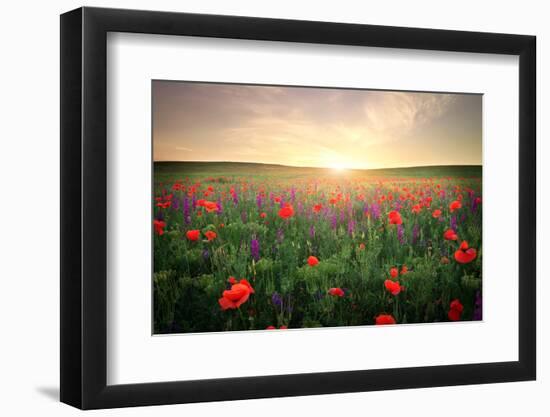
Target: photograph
289, 207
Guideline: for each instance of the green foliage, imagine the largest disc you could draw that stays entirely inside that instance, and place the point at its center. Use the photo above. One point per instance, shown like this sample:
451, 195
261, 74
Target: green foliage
356, 247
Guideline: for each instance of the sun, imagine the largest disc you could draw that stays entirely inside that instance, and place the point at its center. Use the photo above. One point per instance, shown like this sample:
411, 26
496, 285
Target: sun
338, 166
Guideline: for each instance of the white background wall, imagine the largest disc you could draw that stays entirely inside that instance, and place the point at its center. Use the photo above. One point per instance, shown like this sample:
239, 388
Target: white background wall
29, 209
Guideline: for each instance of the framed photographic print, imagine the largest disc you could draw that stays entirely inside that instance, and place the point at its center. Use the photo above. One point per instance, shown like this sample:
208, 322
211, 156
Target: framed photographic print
258, 207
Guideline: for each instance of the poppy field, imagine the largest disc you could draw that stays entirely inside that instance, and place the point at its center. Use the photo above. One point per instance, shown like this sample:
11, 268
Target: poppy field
239, 246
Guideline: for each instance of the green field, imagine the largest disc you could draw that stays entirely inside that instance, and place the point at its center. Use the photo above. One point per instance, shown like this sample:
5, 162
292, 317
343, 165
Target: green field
165, 171
317, 247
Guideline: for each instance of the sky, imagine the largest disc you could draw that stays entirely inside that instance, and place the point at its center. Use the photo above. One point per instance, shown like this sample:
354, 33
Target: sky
314, 127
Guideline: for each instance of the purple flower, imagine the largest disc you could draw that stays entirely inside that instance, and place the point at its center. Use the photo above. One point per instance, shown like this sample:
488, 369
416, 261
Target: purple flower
255, 249
351, 227
312, 231
220, 205
259, 201
474, 205
453, 224
375, 211
415, 233
401, 234
478, 306
186, 211
334, 221
276, 299
175, 204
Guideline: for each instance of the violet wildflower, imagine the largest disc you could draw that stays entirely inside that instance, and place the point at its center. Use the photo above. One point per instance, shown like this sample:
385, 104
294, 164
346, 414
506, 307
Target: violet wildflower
453, 224
401, 234
375, 211
334, 221
351, 227
478, 305
276, 299
255, 249
175, 204
186, 211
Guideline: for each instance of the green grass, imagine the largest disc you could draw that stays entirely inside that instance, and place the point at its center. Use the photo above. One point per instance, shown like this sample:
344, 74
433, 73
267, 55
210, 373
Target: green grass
351, 236
174, 170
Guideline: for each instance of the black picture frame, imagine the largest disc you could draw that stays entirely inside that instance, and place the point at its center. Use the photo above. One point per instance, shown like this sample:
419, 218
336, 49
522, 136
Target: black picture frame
84, 207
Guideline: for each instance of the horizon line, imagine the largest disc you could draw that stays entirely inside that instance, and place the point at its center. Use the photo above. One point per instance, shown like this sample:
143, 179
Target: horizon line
325, 167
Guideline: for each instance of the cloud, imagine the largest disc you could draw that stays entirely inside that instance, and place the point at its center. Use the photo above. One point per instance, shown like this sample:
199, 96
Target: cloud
398, 113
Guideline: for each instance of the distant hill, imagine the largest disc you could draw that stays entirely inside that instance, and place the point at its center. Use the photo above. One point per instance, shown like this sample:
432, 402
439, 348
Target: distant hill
192, 168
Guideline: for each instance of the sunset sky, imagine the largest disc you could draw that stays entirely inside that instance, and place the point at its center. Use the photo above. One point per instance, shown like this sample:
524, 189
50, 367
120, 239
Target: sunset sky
314, 127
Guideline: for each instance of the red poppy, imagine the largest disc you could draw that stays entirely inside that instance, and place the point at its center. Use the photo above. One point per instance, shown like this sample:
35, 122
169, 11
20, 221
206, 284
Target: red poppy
210, 235
286, 212
317, 208
392, 286
450, 235
382, 319
263, 215
394, 272
237, 295
270, 328
337, 292
395, 217
164, 205
436, 214
210, 206
416, 208
361, 246
455, 310
312, 261
159, 227
455, 205
404, 269
193, 235
465, 254
232, 280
